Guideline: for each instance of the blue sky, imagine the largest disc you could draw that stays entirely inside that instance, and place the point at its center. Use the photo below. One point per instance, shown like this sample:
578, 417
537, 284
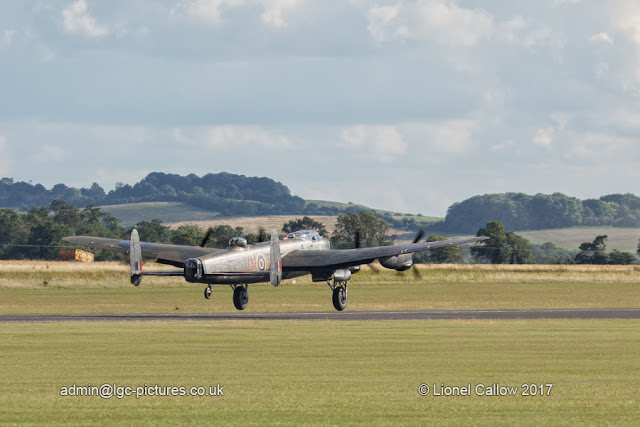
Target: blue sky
400, 105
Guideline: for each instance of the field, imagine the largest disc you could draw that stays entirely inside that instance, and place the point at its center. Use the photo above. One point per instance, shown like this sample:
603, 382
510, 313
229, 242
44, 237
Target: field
169, 212
176, 214
622, 239
322, 372
421, 219
66, 287
252, 224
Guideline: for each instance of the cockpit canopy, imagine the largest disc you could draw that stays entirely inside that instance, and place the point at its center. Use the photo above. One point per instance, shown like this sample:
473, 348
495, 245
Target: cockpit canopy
304, 235
238, 242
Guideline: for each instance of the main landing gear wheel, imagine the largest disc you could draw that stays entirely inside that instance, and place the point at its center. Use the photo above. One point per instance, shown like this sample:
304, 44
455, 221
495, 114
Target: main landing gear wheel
207, 292
340, 298
240, 297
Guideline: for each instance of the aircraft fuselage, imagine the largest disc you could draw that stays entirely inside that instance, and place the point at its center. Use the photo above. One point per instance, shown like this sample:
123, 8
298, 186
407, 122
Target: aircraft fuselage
246, 264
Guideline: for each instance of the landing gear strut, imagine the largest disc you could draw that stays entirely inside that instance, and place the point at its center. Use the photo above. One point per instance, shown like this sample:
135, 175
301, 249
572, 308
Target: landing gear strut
339, 294
207, 292
240, 296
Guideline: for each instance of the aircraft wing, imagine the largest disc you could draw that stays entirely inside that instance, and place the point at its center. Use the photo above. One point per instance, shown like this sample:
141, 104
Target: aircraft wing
301, 260
165, 254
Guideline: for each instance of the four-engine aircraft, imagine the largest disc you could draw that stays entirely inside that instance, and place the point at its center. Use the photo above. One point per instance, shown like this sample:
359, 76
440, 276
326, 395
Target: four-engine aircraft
302, 252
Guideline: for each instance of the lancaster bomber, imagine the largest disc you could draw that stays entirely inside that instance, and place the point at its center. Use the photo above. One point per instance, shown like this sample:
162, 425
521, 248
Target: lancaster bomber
240, 264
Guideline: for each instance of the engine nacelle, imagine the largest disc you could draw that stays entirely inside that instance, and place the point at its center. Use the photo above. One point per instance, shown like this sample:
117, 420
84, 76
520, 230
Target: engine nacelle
193, 270
399, 262
342, 275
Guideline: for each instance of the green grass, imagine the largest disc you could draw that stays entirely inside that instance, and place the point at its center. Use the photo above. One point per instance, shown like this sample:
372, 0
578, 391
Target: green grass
323, 372
622, 239
296, 373
105, 288
168, 212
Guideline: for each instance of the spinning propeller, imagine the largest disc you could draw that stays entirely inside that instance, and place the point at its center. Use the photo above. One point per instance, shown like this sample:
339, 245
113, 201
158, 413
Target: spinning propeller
262, 235
206, 237
356, 244
420, 235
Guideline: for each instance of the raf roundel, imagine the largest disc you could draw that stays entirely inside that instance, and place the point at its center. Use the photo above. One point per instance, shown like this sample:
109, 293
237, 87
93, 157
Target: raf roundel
262, 263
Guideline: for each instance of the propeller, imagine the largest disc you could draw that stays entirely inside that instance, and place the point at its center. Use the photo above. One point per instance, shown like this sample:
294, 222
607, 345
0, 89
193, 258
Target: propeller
206, 237
356, 244
420, 235
262, 235
416, 272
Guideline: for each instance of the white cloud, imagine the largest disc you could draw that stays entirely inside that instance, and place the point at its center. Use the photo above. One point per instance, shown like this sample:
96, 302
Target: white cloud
519, 31
8, 36
510, 30
503, 146
273, 11
599, 146
448, 136
560, 120
48, 154
537, 37
77, 20
449, 24
383, 143
41, 6
212, 10
208, 10
626, 18
439, 21
230, 137
602, 68
382, 25
602, 37
544, 136
557, 3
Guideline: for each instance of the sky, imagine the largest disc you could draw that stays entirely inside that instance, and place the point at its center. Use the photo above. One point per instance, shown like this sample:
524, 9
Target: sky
399, 105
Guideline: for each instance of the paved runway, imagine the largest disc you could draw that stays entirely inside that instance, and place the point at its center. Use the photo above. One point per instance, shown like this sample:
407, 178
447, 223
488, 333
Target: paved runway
588, 313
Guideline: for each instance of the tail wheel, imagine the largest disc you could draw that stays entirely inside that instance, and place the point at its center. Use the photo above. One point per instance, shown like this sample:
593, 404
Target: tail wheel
207, 292
340, 298
240, 297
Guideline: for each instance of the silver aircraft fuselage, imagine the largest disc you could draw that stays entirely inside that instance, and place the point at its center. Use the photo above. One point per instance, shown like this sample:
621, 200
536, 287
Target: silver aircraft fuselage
246, 264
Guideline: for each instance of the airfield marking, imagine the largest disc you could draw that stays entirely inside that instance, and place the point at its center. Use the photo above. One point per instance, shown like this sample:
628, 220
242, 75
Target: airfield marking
583, 313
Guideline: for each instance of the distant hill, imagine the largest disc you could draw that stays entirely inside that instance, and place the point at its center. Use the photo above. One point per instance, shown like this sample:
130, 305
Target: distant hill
176, 198
223, 193
520, 212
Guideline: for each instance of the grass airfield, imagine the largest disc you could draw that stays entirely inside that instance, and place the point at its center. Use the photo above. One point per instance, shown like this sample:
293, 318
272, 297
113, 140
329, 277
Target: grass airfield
322, 372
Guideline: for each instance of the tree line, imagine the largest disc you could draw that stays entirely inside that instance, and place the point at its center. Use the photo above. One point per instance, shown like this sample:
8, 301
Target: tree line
518, 211
38, 233
238, 195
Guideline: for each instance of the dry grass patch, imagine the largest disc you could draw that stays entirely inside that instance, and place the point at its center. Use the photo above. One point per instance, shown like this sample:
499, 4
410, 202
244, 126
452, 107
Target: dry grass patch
252, 224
